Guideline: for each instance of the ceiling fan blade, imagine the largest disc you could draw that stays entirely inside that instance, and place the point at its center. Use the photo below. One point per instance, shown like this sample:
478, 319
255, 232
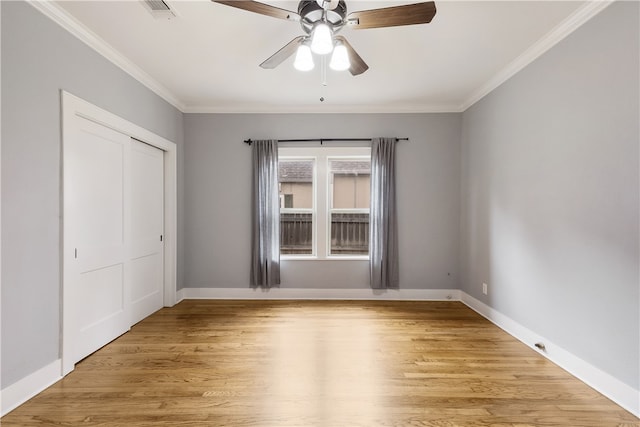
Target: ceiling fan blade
261, 8
277, 58
410, 14
358, 66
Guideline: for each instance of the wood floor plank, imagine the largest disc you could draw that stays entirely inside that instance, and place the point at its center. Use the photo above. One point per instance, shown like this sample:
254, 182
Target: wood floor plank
318, 364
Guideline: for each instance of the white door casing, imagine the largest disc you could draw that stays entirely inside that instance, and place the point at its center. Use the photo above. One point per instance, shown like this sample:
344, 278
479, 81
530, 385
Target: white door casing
100, 253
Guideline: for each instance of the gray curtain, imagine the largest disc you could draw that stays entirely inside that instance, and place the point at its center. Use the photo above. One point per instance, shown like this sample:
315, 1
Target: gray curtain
383, 222
265, 240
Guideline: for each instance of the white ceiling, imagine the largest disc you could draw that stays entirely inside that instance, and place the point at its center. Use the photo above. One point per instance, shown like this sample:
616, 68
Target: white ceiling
206, 59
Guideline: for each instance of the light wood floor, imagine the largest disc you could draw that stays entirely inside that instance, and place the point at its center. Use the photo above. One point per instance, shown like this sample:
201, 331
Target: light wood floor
321, 364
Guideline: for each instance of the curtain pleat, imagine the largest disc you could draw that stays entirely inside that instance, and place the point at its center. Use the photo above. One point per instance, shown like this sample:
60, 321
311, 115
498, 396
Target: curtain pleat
383, 230
265, 241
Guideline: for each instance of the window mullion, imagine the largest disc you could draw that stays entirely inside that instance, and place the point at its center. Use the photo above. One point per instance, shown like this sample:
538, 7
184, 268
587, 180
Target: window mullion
322, 244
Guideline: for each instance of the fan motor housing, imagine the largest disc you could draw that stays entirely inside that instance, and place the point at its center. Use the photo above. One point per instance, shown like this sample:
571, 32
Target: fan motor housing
311, 13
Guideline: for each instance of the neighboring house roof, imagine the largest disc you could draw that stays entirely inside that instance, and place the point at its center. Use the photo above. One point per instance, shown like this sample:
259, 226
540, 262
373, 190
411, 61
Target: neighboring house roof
302, 170
351, 167
295, 171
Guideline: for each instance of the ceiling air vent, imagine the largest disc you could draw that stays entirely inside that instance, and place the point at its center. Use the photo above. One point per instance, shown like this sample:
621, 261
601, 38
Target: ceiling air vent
159, 9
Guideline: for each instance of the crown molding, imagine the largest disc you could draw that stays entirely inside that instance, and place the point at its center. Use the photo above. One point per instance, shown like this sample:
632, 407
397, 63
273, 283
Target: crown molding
322, 109
569, 25
561, 31
73, 26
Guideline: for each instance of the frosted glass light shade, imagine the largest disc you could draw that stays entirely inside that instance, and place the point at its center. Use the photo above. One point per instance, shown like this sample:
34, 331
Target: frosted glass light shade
340, 58
321, 40
304, 59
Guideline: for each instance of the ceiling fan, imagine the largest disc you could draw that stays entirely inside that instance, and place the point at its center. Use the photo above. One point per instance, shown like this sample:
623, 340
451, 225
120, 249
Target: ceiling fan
321, 20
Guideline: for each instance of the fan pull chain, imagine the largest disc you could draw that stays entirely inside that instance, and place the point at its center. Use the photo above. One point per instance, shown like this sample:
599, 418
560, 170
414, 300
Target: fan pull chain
323, 77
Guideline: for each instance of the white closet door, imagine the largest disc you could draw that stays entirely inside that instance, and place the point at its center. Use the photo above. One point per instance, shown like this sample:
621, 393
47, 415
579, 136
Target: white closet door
95, 209
147, 248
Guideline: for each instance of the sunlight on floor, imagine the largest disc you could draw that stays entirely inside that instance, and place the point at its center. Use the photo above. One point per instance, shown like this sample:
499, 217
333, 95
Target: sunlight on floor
324, 369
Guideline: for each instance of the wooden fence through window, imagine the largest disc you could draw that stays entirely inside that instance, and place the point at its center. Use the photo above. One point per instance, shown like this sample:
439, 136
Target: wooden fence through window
349, 233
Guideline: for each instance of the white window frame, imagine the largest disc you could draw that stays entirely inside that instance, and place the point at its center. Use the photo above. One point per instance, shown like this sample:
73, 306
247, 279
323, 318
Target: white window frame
314, 216
330, 208
322, 195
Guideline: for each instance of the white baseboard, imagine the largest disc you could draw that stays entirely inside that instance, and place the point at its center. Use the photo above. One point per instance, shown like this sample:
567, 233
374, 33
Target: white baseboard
16, 394
320, 294
180, 295
619, 392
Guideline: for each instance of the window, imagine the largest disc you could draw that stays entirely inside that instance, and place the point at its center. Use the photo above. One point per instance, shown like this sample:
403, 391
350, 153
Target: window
295, 178
288, 200
324, 202
349, 210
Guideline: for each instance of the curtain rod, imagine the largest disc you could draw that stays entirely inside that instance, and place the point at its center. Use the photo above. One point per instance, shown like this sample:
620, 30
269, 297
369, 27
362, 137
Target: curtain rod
323, 140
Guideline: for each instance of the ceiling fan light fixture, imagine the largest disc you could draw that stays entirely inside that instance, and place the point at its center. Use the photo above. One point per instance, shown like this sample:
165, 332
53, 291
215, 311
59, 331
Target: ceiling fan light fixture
304, 58
321, 39
327, 4
340, 58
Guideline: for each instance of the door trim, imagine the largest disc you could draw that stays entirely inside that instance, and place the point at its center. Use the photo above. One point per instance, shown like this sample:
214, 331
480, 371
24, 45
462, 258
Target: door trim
73, 106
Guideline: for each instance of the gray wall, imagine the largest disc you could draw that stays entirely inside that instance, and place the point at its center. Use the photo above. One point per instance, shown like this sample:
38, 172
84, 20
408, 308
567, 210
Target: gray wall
551, 195
38, 59
218, 183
